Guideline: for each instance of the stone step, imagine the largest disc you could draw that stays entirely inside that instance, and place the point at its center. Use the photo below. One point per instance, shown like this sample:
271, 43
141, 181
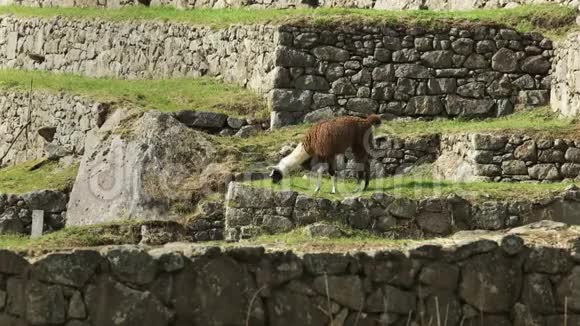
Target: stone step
252, 211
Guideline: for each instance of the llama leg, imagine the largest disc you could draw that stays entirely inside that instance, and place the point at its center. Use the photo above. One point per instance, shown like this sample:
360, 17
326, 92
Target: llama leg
367, 173
332, 172
359, 178
319, 169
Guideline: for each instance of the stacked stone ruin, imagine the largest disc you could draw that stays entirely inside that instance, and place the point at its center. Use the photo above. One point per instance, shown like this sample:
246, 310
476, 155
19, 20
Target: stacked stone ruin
305, 73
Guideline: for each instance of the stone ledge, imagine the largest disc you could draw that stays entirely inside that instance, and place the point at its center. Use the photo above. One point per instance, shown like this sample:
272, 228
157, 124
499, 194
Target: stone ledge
16, 211
253, 211
511, 158
155, 287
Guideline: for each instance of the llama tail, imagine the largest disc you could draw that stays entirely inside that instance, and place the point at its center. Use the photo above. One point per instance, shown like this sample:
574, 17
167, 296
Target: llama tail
292, 161
374, 120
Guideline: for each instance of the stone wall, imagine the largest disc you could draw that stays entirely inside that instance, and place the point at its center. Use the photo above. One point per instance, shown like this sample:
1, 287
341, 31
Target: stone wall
16, 211
240, 54
70, 116
565, 95
486, 157
187, 284
253, 211
283, 4
396, 71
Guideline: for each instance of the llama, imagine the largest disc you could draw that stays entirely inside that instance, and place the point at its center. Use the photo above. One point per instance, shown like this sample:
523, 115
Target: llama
327, 139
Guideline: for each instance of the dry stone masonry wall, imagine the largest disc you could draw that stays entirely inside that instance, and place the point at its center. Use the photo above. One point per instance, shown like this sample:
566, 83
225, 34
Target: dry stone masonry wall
240, 54
184, 284
254, 211
485, 157
396, 71
63, 119
565, 95
16, 211
283, 4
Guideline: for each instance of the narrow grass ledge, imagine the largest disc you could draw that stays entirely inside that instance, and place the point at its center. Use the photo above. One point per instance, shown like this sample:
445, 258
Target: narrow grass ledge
33, 175
167, 95
541, 18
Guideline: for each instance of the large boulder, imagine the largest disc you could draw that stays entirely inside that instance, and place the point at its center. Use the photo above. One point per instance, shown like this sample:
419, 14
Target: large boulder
137, 170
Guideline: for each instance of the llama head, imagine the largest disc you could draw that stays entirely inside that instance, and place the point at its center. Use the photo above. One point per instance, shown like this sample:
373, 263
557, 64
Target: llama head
276, 175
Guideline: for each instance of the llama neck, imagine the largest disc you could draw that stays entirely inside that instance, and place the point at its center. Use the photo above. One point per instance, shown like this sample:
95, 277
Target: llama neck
297, 157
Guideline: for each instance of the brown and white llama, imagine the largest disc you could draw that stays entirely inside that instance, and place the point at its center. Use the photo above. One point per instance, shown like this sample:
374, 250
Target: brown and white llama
327, 139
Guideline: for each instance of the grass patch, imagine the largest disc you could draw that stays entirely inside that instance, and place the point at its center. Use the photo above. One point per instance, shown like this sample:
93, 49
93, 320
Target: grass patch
418, 185
73, 237
548, 17
21, 179
168, 95
540, 122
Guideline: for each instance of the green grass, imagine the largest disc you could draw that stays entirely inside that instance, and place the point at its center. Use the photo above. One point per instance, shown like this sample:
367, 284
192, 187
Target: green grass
21, 179
524, 18
533, 122
73, 237
200, 94
418, 185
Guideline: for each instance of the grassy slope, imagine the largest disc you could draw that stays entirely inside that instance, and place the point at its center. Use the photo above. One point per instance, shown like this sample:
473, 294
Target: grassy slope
524, 18
541, 122
20, 179
201, 94
419, 185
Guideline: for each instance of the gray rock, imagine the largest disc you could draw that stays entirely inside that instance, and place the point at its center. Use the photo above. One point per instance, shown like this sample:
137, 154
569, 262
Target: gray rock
534, 97
10, 224
196, 119
436, 86
277, 224
107, 300
488, 141
343, 86
527, 151
573, 155
504, 60
548, 261
411, 71
435, 222
326, 263
391, 299
331, 53
463, 46
474, 90
283, 305
236, 123
489, 216
323, 230
485, 46
12, 263
288, 57
551, 156
403, 208
512, 244
544, 172
345, 290
306, 40
319, 115
362, 105
569, 290
438, 59
248, 131
476, 61
131, 264
70, 268
537, 294
311, 82
514, 167
424, 105
47, 133
383, 73
536, 65
382, 55
290, 100
44, 304
458, 106
119, 176
76, 307
480, 271
570, 170
167, 259
324, 100
47, 200
525, 82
